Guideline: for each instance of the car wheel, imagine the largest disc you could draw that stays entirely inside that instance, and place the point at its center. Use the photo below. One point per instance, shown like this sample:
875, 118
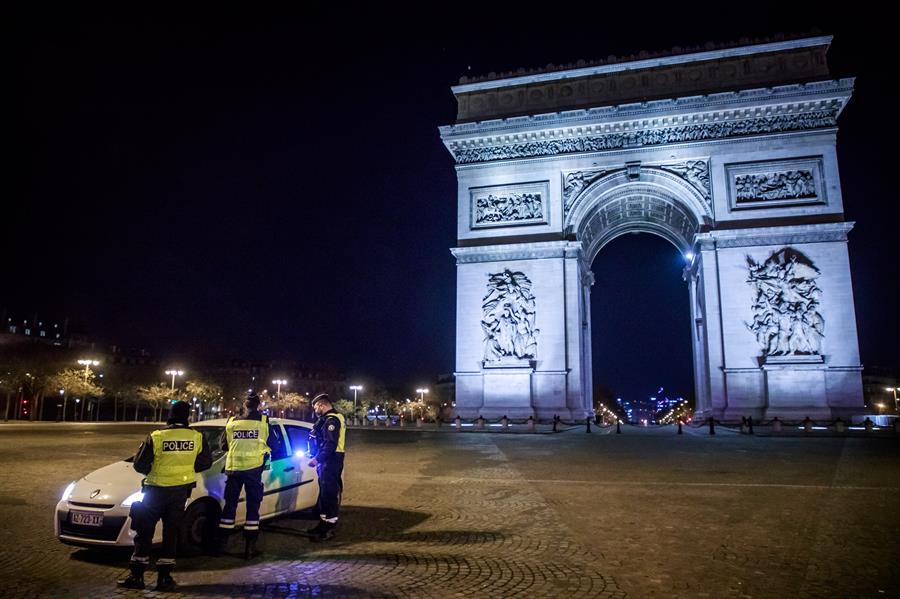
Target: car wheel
198, 528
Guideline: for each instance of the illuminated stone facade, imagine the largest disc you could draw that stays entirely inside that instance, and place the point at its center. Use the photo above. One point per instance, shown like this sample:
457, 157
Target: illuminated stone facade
739, 172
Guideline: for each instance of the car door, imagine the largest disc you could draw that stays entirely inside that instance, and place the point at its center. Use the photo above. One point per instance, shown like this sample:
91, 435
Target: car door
280, 480
298, 436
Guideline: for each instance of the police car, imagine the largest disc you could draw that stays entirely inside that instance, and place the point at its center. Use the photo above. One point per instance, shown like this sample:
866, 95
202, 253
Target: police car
93, 511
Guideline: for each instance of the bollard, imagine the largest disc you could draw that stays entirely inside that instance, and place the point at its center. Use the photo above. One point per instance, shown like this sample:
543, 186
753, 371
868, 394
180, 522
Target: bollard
504, 422
807, 425
712, 426
679, 428
420, 422
839, 426
868, 424
750, 425
458, 424
480, 424
618, 427
402, 421
555, 423
531, 423
743, 425
776, 425
587, 421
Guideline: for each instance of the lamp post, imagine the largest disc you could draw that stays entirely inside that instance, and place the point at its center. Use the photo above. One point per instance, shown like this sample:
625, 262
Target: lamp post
87, 367
894, 389
279, 382
422, 393
87, 363
355, 389
174, 373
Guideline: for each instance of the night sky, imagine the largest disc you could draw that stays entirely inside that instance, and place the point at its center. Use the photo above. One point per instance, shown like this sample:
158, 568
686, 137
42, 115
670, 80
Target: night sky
274, 187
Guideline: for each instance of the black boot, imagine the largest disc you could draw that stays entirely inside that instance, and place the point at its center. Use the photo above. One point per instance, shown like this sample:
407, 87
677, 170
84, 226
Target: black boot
135, 579
317, 529
219, 542
250, 549
325, 533
164, 580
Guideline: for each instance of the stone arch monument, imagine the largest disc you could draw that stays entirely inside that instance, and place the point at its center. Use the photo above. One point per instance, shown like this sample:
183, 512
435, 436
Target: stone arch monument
729, 154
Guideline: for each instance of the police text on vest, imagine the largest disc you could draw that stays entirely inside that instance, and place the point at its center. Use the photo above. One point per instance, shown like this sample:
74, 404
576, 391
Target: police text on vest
178, 446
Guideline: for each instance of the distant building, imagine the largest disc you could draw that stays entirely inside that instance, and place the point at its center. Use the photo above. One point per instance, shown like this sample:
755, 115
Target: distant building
878, 385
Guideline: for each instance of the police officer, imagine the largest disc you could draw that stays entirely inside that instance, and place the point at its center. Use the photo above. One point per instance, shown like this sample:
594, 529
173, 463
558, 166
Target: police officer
247, 441
328, 436
170, 458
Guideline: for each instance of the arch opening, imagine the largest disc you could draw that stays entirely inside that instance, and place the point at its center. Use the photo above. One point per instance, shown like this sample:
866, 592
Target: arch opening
641, 327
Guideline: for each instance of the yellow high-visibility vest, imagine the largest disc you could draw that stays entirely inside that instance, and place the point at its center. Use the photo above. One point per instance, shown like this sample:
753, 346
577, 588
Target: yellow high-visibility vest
246, 443
341, 434
174, 453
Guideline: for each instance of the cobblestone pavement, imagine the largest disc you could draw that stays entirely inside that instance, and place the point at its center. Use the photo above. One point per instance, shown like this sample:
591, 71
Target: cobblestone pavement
445, 514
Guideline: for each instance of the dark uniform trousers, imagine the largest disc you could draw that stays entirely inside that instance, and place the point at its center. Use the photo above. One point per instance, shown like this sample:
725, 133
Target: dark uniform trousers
166, 503
251, 481
331, 485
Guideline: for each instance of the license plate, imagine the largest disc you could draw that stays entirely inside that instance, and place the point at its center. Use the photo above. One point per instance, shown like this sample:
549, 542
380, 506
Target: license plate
86, 518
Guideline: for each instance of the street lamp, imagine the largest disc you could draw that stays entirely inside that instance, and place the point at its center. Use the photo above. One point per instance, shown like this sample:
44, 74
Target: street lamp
279, 382
894, 389
174, 373
355, 389
87, 367
422, 393
87, 363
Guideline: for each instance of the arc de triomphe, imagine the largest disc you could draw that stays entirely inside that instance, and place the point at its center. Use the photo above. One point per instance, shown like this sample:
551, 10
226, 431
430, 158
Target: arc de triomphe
729, 154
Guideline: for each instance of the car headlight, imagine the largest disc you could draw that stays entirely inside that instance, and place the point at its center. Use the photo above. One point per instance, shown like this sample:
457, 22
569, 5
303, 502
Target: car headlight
68, 491
138, 496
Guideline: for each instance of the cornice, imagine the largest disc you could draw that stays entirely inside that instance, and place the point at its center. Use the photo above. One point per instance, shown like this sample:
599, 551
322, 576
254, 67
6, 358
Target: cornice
835, 90
794, 234
518, 251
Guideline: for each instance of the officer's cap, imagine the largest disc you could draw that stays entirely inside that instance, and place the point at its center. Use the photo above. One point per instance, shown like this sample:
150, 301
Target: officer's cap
253, 399
320, 397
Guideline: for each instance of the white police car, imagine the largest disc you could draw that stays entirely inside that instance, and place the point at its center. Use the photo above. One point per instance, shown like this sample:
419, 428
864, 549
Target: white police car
93, 511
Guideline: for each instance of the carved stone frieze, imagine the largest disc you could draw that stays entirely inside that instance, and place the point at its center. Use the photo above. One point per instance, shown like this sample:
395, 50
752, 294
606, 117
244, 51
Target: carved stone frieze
508, 313
465, 154
780, 185
776, 183
786, 318
575, 183
502, 205
695, 172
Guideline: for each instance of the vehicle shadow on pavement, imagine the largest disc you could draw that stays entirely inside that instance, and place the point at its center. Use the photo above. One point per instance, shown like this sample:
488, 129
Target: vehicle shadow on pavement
286, 537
